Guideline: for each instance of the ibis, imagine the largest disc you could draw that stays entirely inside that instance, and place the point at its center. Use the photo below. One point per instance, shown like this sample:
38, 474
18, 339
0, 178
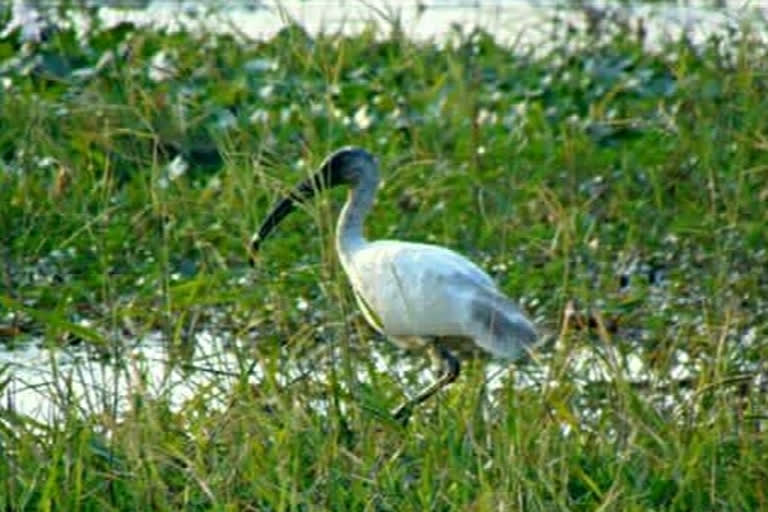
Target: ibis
419, 296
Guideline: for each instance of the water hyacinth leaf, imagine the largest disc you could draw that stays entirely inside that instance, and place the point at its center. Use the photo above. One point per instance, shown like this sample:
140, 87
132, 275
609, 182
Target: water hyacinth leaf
51, 65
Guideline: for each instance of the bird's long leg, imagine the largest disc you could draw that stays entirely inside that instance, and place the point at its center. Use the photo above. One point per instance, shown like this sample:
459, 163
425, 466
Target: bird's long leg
449, 371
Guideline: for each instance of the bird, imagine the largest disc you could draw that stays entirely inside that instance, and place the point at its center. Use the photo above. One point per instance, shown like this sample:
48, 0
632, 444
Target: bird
418, 296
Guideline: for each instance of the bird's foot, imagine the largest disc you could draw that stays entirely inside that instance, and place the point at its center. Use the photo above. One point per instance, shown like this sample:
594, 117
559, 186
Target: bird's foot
402, 413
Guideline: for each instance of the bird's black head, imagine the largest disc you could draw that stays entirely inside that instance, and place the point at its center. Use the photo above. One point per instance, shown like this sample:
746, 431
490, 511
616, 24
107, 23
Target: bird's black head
346, 166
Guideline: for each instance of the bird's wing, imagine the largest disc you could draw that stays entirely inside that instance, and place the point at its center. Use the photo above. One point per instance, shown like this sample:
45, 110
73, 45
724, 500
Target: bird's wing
414, 260
416, 288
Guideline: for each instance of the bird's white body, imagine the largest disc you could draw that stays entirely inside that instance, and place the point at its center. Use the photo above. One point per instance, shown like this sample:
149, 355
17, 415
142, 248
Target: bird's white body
413, 292
413, 289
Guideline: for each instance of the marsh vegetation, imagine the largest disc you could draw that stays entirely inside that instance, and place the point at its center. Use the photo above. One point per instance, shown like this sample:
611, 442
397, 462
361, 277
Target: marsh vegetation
618, 192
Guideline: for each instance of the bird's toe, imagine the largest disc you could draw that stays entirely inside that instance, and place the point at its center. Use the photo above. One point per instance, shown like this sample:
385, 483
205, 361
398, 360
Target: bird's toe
402, 414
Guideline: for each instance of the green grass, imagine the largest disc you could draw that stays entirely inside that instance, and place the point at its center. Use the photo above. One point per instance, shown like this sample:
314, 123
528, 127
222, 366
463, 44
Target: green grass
576, 175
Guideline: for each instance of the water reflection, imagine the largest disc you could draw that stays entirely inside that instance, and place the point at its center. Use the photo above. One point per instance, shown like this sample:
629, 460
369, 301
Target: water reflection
45, 381
42, 383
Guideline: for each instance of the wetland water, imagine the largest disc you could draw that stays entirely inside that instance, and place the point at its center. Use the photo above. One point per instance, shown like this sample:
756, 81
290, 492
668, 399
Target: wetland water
523, 23
41, 379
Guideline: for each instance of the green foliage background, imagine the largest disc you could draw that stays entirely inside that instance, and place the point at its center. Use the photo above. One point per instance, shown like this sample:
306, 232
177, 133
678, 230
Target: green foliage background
618, 191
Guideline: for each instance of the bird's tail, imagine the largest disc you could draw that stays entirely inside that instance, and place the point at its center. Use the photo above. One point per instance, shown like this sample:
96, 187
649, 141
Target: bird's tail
501, 328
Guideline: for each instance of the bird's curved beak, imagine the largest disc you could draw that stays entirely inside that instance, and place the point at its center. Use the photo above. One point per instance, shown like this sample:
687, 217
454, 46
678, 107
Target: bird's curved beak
330, 174
277, 214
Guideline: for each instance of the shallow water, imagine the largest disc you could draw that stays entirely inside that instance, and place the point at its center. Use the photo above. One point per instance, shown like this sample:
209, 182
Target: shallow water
45, 381
519, 23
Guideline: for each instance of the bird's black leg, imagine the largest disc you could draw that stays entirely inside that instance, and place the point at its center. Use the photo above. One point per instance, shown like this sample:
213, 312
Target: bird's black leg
449, 371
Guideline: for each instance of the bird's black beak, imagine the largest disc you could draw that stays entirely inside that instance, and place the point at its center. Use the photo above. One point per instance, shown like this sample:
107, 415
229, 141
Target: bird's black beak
277, 214
330, 174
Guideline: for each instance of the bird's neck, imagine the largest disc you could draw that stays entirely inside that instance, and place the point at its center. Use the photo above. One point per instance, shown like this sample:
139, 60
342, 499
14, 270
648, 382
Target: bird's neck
349, 230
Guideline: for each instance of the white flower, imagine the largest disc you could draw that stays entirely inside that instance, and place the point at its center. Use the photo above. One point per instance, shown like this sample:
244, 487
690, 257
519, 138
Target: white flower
361, 118
177, 167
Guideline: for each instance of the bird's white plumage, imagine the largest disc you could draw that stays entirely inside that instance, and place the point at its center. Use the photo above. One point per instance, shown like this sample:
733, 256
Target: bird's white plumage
410, 290
407, 284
